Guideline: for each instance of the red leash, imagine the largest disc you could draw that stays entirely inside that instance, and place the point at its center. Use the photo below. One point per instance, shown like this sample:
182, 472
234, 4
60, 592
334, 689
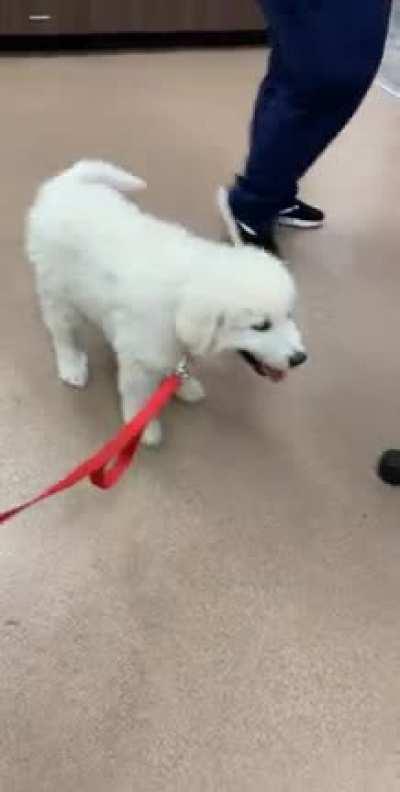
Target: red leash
108, 464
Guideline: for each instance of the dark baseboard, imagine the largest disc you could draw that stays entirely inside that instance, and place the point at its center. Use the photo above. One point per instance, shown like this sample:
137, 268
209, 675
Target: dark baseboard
134, 41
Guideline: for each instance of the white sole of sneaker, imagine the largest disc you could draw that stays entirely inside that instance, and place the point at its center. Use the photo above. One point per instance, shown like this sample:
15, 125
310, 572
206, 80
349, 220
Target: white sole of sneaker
288, 223
227, 216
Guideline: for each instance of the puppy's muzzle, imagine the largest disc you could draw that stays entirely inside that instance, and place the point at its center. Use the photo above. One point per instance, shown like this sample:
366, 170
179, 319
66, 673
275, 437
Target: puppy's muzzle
297, 359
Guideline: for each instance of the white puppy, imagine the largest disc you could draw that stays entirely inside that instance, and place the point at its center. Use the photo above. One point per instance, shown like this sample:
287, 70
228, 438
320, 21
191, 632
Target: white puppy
158, 292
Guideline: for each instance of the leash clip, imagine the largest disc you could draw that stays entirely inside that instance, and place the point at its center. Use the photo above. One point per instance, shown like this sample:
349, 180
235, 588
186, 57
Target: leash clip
182, 369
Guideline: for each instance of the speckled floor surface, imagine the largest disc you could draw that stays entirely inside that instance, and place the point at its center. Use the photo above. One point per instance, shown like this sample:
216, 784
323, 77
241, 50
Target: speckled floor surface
227, 619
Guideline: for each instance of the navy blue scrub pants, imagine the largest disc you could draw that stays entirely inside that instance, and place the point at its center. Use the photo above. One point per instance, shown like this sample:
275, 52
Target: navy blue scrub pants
325, 54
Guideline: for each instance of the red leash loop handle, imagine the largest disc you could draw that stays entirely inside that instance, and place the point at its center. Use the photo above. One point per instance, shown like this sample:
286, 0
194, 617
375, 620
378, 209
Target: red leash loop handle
106, 466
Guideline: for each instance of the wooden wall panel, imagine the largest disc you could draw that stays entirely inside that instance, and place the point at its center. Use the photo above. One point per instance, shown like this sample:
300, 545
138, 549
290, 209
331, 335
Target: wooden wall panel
123, 16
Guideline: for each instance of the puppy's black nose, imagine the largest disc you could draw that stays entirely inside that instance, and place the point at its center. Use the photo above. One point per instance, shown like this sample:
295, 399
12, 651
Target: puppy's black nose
297, 359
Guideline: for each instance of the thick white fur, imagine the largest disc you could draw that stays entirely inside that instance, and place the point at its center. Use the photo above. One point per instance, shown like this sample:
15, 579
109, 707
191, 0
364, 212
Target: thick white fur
157, 291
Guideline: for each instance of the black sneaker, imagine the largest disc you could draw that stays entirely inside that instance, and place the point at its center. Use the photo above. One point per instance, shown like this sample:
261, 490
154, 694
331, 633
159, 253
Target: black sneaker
301, 215
242, 234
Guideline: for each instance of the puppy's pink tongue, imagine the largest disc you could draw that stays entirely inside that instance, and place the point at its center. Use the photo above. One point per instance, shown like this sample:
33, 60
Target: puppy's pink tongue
277, 376
274, 374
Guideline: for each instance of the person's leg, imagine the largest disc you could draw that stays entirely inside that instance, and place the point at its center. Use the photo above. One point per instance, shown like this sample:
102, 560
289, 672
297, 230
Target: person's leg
326, 53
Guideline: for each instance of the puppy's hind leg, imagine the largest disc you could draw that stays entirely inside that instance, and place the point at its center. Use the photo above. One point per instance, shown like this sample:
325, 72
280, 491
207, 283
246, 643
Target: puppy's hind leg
63, 323
135, 385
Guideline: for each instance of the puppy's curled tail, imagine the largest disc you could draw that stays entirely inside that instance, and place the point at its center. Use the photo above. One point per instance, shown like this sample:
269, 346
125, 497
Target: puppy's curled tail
98, 172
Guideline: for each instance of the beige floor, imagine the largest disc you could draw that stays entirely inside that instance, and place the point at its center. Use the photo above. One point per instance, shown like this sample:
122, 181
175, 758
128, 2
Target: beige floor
228, 618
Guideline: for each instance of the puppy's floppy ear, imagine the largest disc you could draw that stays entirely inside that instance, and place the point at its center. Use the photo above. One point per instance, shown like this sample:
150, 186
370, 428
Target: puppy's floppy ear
197, 325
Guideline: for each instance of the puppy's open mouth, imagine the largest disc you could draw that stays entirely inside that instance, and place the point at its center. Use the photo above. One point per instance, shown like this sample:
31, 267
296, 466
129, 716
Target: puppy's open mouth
261, 368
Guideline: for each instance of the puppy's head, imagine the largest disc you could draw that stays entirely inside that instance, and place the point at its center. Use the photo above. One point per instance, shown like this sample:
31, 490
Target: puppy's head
245, 304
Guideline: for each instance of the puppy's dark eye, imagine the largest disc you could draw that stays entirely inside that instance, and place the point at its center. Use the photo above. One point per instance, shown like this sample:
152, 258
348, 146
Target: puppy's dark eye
263, 327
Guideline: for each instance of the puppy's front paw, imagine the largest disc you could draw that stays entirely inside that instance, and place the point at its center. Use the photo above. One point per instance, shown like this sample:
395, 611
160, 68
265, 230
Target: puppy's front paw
152, 435
191, 391
73, 367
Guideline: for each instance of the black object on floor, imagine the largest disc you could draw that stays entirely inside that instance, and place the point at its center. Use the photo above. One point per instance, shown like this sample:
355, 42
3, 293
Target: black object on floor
389, 467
